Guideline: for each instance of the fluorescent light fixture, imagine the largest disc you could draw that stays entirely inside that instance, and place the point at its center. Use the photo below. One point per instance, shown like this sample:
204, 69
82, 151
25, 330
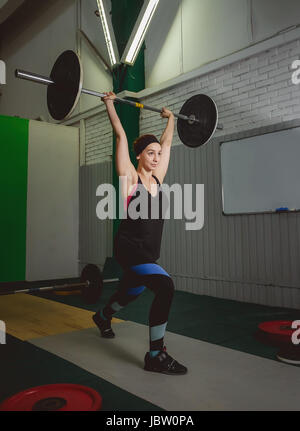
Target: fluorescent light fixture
108, 33
139, 32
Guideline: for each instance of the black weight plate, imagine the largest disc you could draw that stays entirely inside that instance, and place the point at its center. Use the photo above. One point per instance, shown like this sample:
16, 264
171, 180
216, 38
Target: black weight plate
91, 294
203, 108
63, 95
49, 404
290, 355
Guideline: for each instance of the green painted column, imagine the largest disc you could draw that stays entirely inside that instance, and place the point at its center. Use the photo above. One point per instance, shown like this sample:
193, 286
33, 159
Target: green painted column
13, 191
131, 78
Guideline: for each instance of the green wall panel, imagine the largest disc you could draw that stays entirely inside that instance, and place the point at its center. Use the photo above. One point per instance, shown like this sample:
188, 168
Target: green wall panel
13, 191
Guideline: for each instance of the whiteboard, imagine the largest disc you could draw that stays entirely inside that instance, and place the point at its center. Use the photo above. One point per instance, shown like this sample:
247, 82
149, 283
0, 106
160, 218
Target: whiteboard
261, 173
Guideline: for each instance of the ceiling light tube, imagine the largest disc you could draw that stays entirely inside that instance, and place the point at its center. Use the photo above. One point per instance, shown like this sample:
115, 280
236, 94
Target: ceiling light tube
108, 33
139, 32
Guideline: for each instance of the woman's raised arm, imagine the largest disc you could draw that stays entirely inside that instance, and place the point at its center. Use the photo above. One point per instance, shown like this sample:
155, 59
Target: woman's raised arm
166, 143
124, 166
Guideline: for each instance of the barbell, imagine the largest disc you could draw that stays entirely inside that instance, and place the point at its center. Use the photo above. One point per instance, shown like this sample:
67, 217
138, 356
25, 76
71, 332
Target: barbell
91, 284
197, 120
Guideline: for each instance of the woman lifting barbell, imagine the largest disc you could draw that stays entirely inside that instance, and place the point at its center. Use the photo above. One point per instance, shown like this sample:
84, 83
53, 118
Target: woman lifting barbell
138, 241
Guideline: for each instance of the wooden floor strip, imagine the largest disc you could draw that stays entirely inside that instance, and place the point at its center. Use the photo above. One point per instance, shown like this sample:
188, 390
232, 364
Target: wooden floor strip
28, 317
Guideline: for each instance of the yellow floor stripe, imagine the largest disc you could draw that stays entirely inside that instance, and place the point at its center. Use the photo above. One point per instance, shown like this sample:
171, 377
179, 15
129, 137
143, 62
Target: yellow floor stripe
28, 317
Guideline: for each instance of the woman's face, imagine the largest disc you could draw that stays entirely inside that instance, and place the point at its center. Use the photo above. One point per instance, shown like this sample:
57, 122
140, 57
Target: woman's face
150, 157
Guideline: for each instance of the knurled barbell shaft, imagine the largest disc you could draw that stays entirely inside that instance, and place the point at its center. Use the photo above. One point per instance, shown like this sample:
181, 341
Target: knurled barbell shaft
73, 286
39, 79
45, 288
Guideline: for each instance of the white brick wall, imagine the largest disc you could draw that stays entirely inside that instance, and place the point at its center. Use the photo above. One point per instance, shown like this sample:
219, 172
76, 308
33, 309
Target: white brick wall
251, 93
98, 139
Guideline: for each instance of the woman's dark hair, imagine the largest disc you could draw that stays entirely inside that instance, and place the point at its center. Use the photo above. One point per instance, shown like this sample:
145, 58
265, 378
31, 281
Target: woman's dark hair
142, 142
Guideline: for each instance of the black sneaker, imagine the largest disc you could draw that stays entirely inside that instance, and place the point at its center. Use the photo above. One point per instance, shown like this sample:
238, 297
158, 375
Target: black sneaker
163, 363
104, 326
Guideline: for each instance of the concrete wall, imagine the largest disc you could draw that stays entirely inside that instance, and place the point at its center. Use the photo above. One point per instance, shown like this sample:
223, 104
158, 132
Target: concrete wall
186, 34
96, 76
44, 32
52, 235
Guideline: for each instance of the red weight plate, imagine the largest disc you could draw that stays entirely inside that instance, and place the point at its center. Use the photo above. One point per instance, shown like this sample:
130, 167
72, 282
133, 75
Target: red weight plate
282, 328
57, 397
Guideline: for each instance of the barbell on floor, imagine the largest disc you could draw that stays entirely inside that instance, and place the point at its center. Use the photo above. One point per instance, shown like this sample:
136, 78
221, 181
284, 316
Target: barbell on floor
91, 284
197, 120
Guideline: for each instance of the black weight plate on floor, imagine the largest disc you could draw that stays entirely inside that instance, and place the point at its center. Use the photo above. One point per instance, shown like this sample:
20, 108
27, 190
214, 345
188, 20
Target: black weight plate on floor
205, 110
63, 95
49, 404
289, 355
91, 294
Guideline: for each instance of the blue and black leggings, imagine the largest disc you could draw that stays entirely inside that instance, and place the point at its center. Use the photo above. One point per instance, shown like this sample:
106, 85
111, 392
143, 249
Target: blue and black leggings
134, 281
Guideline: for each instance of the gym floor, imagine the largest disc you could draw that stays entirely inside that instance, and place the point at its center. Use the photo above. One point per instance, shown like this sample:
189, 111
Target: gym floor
214, 338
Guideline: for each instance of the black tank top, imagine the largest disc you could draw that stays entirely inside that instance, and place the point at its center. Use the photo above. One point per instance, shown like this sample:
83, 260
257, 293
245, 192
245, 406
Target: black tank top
139, 240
